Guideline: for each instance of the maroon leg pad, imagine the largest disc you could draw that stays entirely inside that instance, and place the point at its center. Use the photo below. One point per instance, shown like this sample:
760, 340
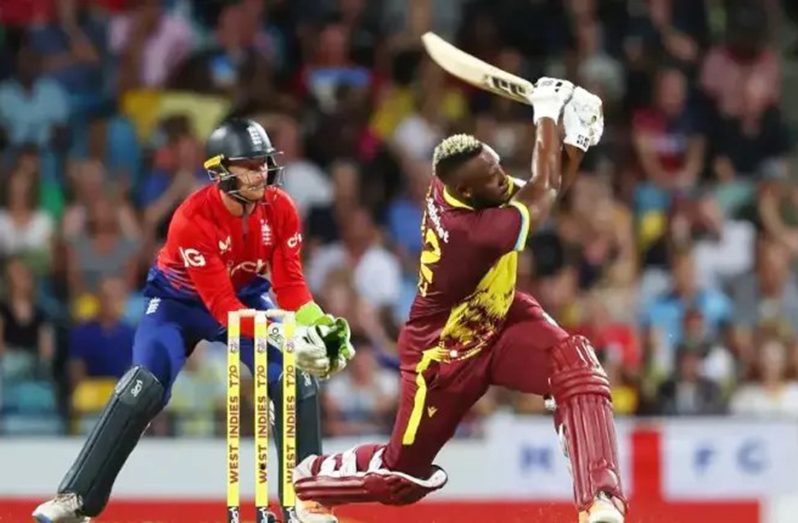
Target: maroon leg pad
583, 416
357, 476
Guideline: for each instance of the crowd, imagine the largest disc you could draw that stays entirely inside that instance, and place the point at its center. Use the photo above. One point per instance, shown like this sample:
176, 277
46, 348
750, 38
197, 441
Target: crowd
675, 251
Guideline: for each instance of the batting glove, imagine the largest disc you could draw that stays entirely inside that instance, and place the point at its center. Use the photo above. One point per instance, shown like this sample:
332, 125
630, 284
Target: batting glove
549, 96
583, 119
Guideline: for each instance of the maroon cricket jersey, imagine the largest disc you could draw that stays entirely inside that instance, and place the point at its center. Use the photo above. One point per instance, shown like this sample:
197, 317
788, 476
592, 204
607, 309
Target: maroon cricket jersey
467, 274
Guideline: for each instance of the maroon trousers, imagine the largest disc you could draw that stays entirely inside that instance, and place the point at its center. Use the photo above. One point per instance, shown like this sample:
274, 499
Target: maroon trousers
435, 395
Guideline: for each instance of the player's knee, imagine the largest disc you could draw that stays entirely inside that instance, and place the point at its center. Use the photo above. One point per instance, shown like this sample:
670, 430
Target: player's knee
144, 386
576, 369
155, 358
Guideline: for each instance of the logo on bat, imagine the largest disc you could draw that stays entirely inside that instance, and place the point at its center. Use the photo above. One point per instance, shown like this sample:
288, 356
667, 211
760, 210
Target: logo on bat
503, 85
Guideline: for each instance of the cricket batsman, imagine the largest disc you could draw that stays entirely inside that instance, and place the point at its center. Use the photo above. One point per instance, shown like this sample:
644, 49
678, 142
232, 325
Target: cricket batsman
228, 245
469, 329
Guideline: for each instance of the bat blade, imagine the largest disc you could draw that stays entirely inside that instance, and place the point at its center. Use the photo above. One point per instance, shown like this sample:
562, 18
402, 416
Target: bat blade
474, 71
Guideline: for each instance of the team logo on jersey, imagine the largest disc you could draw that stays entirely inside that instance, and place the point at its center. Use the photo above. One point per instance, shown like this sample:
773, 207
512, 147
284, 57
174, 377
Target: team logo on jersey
265, 233
225, 245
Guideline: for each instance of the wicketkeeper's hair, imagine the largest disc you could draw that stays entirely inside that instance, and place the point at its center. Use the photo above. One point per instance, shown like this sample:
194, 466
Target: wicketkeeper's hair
453, 152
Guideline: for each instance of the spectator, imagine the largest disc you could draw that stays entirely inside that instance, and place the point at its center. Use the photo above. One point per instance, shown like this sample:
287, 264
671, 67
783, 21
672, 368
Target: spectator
25, 230
744, 143
596, 69
724, 245
436, 107
199, 390
177, 173
323, 221
404, 215
237, 42
399, 99
768, 295
666, 312
90, 184
376, 271
777, 209
683, 29
599, 231
717, 362
148, 44
101, 251
745, 62
688, 393
102, 347
33, 108
27, 341
772, 394
667, 139
304, 180
330, 67
361, 400
72, 48
616, 341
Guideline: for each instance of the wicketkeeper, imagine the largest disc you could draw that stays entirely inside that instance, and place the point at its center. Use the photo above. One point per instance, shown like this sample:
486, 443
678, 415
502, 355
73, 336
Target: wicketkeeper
229, 244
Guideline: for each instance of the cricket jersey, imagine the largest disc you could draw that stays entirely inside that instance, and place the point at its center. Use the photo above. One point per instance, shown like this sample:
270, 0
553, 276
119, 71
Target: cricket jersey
213, 258
467, 274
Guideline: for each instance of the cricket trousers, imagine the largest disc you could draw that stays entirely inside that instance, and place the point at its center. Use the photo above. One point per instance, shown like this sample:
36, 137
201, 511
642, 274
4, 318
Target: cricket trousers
436, 394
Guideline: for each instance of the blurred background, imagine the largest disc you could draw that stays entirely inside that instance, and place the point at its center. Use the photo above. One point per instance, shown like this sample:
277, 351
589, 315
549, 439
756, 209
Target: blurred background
675, 252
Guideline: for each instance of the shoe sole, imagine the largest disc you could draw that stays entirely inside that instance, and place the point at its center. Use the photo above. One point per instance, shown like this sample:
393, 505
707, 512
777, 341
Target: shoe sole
38, 518
606, 517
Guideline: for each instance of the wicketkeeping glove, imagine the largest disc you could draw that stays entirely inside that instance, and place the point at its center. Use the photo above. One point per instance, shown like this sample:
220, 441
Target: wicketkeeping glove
331, 332
336, 341
583, 118
549, 96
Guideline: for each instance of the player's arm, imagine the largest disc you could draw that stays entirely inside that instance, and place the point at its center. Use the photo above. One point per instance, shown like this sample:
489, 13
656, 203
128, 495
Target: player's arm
539, 194
292, 292
555, 164
208, 273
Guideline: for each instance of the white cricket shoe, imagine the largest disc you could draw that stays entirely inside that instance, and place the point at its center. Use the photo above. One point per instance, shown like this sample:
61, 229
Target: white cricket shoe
64, 508
313, 512
603, 510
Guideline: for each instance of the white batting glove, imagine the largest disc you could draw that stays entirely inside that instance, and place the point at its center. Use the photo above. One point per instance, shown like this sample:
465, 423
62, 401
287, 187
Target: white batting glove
583, 118
549, 96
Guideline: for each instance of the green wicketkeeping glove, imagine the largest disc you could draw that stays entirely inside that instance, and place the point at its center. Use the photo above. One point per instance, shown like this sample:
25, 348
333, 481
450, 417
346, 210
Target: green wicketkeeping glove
334, 331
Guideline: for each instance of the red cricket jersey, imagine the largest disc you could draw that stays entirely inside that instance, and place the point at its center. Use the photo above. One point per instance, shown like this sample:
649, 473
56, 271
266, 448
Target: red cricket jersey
212, 256
467, 274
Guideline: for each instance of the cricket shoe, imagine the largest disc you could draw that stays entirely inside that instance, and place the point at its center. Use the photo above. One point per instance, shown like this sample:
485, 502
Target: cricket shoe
313, 512
64, 508
603, 510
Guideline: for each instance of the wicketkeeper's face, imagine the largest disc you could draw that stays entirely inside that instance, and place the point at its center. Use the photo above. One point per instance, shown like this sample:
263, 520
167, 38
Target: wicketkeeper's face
252, 177
484, 182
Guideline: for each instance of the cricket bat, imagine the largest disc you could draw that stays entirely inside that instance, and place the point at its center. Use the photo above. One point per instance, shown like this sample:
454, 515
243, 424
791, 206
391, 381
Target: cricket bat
474, 71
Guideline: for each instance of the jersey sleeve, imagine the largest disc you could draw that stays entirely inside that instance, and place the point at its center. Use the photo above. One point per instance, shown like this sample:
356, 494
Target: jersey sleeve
208, 273
499, 230
288, 279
